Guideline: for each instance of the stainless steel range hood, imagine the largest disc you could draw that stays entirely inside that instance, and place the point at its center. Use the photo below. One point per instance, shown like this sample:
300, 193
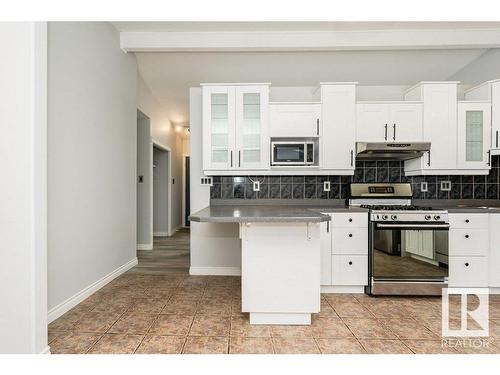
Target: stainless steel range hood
391, 151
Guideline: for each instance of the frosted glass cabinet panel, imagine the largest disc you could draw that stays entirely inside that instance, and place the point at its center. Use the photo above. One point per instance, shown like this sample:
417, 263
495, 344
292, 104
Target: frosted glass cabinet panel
474, 133
235, 122
252, 140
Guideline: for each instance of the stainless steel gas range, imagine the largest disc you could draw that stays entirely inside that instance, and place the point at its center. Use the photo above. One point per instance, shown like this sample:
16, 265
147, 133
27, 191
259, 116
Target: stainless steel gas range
408, 244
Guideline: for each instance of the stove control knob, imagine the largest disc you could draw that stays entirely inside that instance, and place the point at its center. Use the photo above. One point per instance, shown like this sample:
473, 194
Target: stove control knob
394, 217
428, 217
437, 217
385, 217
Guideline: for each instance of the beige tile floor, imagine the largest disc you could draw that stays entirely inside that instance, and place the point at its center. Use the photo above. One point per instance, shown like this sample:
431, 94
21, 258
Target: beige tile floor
177, 313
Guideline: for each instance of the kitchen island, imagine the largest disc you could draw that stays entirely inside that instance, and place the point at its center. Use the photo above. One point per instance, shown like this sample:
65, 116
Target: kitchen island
280, 259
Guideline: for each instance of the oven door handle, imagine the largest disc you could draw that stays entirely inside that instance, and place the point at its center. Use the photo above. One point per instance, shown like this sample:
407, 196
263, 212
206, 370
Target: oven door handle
420, 226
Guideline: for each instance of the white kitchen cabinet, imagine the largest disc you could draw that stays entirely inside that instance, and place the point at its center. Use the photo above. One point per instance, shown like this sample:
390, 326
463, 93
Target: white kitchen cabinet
338, 127
349, 270
350, 241
494, 251
294, 119
439, 121
235, 127
474, 132
388, 122
468, 250
326, 253
489, 91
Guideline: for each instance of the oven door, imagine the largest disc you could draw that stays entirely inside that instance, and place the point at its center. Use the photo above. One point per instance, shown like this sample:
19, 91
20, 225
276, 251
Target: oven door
406, 258
288, 153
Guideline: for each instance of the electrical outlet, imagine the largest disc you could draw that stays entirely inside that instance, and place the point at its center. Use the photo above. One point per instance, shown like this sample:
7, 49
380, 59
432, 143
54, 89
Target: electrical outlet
423, 187
445, 185
326, 186
256, 186
206, 181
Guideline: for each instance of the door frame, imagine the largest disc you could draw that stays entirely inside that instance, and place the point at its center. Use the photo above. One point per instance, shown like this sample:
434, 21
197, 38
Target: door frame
155, 143
184, 156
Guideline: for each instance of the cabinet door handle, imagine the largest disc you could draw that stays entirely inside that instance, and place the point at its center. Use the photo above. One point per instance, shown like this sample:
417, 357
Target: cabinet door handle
239, 158
231, 158
350, 234
385, 132
429, 160
350, 263
394, 132
352, 158
327, 227
496, 139
467, 264
467, 221
350, 220
489, 158
317, 126
466, 236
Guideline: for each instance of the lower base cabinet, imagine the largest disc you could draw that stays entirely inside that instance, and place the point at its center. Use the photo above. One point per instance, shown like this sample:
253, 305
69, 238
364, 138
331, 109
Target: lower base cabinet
468, 272
349, 270
494, 251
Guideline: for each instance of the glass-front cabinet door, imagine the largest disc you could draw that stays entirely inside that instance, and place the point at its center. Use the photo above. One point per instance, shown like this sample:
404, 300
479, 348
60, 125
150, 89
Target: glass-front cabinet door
218, 127
252, 140
474, 135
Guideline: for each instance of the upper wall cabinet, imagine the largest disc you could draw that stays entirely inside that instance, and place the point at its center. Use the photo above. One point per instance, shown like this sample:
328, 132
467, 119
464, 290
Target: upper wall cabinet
235, 127
474, 132
439, 127
388, 122
294, 119
338, 127
489, 91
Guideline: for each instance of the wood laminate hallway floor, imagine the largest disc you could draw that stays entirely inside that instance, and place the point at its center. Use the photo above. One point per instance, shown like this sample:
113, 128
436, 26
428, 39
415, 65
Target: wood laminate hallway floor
170, 255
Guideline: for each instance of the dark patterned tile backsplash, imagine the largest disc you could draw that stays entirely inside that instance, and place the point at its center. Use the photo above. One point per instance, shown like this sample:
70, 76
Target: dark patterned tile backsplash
311, 187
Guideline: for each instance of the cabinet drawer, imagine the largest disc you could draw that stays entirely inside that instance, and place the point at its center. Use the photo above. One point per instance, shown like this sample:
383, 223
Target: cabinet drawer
468, 272
468, 242
349, 269
350, 220
476, 221
350, 241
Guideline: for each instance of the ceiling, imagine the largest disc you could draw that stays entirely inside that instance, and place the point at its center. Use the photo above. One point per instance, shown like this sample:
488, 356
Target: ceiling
170, 75
295, 26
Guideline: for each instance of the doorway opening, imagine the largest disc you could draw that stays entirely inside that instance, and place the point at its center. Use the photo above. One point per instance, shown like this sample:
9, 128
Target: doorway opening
187, 207
161, 191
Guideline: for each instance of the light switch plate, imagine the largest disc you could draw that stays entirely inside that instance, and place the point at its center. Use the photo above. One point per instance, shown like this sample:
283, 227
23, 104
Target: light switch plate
256, 186
326, 186
423, 187
445, 186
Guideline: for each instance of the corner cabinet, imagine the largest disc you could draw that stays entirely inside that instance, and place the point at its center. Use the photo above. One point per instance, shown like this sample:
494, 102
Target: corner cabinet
474, 132
235, 127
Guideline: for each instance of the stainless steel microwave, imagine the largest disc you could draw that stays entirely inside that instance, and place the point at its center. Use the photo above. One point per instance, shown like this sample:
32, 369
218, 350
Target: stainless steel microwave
293, 152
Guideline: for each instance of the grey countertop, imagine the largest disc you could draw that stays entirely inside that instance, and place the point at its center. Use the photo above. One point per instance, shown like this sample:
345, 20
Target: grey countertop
267, 213
463, 206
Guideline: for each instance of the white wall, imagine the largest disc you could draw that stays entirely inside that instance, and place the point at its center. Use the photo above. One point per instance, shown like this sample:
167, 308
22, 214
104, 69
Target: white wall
160, 192
23, 126
165, 135
144, 165
91, 157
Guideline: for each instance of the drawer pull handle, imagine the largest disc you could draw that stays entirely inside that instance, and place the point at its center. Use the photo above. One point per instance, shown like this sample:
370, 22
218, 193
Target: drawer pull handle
350, 234
350, 220
466, 236
467, 264
350, 263
466, 220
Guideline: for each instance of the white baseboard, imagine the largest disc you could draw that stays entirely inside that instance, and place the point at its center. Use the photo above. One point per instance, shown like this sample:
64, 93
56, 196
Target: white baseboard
342, 289
71, 302
494, 290
215, 271
144, 246
174, 230
160, 234
46, 350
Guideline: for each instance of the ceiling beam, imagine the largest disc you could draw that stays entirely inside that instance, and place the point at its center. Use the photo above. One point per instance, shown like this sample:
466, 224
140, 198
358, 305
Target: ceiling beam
309, 41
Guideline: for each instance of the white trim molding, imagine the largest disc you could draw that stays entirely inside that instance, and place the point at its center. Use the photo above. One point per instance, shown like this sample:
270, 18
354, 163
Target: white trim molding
74, 300
144, 246
342, 289
215, 271
160, 234
46, 350
356, 40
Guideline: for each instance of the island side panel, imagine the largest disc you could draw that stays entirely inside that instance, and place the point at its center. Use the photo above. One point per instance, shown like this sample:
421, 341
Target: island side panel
215, 249
280, 272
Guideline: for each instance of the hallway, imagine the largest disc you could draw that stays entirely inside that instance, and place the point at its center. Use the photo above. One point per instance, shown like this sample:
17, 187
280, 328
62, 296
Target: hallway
170, 255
